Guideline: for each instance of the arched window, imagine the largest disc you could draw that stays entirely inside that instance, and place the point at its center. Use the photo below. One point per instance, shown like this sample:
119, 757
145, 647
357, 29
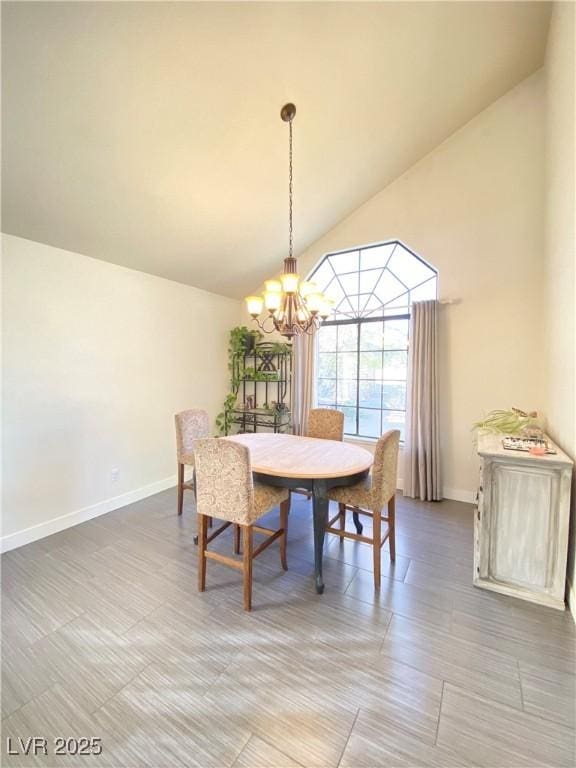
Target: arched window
363, 348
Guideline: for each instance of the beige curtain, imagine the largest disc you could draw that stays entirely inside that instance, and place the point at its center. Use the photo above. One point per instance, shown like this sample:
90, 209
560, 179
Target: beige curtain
422, 439
303, 393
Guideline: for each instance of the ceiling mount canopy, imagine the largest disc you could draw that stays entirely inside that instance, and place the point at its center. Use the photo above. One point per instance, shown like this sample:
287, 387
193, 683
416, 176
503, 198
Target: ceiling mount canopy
288, 113
293, 307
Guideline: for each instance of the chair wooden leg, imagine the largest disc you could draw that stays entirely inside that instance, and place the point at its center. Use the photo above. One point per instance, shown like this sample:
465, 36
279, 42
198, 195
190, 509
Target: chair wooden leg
180, 488
342, 519
376, 538
247, 563
392, 527
284, 510
201, 553
236, 539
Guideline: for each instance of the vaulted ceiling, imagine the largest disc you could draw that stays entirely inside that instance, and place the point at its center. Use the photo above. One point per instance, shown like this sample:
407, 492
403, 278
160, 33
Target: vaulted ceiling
148, 134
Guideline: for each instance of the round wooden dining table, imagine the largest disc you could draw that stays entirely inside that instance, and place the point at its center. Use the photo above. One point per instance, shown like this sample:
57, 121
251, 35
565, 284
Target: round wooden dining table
291, 461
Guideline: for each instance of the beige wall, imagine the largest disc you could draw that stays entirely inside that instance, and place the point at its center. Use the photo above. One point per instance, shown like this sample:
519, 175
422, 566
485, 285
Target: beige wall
474, 209
560, 271
97, 359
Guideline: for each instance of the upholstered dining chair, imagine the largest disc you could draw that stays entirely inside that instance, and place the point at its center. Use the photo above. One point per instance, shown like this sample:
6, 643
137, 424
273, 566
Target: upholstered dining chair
326, 424
369, 498
225, 490
190, 426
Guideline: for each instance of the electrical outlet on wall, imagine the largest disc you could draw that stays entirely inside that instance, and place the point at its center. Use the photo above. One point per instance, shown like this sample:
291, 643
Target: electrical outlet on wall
114, 474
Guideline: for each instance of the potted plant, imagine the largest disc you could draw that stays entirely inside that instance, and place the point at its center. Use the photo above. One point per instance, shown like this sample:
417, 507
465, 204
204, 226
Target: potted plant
252, 338
509, 422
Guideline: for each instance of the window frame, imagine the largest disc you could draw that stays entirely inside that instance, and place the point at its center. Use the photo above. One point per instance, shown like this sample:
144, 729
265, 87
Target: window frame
358, 322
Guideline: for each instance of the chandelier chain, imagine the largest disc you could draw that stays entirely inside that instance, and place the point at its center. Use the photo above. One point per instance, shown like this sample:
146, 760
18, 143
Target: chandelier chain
294, 307
290, 190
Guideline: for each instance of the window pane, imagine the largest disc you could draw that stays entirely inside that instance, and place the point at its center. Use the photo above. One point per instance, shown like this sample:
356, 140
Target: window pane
347, 365
371, 336
323, 275
371, 365
363, 300
347, 389
425, 291
377, 256
373, 307
393, 420
344, 308
327, 338
349, 283
326, 391
396, 334
349, 420
345, 262
396, 308
369, 422
394, 395
327, 365
410, 270
334, 291
357, 300
347, 338
371, 394
395, 366
369, 279
388, 288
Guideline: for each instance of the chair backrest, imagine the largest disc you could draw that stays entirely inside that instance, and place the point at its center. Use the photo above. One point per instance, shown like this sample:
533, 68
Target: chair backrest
325, 423
224, 486
190, 426
385, 467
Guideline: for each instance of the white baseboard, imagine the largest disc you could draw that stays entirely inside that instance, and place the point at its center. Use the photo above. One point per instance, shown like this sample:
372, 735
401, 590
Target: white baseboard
57, 524
457, 494
572, 600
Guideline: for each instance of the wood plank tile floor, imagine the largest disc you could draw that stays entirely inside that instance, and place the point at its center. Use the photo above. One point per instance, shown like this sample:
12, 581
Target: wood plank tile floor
104, 635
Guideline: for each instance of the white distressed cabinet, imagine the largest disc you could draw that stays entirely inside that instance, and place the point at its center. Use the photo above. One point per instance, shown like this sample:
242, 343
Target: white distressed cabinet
521, 524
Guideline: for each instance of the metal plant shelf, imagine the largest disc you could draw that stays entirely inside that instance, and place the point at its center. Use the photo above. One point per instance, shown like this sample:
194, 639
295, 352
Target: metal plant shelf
253, 419
250, 371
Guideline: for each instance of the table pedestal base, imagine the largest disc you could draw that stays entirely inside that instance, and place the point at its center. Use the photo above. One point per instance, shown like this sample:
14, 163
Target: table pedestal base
320, 512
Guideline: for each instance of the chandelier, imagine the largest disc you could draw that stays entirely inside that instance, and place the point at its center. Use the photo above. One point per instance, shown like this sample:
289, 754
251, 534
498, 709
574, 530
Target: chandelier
293, 307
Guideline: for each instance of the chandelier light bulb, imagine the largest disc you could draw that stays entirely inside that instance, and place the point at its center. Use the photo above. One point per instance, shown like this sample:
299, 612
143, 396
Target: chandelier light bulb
272, 300
254, 305
314, 302
290, 282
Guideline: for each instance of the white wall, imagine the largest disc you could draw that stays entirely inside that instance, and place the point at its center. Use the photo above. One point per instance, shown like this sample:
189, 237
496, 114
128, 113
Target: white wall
473, 208
97, 359
560, 268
